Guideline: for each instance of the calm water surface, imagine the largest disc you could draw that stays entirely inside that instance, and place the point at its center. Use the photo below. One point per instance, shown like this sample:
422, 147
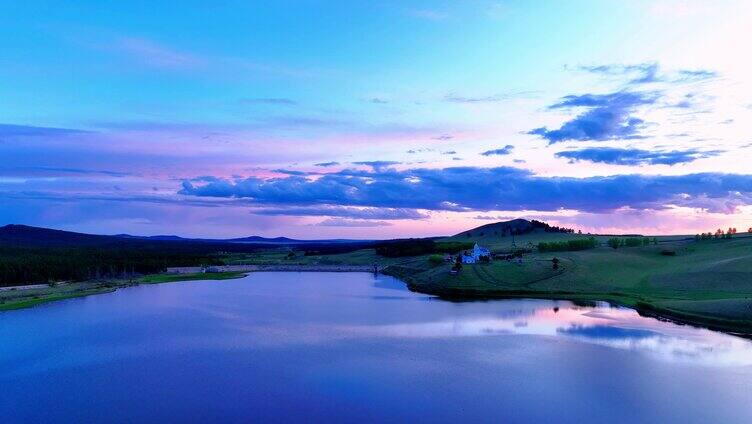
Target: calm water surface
354, 348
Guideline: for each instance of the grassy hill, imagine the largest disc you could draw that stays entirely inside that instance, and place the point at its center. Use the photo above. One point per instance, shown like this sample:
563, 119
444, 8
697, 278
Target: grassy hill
705, 282
498, 236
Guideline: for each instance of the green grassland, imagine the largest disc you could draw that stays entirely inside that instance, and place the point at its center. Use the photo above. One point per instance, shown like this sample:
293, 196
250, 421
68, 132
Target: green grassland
286, 256
170, 278
706, 282
26, 298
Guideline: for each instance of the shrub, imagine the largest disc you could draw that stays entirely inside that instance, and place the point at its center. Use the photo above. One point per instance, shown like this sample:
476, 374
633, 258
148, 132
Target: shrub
615, 242
633, 241
436, 259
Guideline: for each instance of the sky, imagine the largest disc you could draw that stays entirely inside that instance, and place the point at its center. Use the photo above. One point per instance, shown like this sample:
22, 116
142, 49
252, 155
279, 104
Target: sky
378, 119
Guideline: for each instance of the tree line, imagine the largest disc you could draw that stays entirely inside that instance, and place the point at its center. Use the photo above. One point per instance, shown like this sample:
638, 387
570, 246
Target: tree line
719, 234
616, 242
568, 245
416, 247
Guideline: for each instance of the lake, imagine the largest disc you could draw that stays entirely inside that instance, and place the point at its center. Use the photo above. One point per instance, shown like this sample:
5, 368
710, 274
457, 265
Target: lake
353, 347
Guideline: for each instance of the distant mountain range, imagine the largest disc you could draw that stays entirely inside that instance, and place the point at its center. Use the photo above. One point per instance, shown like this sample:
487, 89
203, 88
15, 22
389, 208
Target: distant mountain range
250, 239
24, 235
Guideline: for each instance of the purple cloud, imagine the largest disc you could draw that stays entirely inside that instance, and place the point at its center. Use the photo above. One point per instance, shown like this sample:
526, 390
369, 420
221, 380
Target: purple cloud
609, 117
501, 188
506, 150
633, 157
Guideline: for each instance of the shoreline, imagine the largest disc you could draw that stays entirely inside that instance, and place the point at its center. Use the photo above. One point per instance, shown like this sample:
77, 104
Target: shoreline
733, 327
30, 296
274, 268
22, 297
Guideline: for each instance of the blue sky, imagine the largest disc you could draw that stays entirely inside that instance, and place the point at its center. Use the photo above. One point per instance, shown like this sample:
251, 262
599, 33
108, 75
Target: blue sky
214, 118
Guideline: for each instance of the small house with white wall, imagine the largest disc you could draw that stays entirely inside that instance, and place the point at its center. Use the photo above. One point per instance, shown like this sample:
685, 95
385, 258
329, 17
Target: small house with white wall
473, 256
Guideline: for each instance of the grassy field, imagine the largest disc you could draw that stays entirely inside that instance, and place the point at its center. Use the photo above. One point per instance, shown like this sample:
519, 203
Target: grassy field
169, 278
284, 257
19, 299
26, 298
706, 282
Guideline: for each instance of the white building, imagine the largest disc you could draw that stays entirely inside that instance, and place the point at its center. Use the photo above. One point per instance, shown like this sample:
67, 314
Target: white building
474, 255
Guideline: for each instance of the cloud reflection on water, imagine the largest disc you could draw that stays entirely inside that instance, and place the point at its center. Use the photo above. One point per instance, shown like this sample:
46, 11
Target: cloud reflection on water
618, 328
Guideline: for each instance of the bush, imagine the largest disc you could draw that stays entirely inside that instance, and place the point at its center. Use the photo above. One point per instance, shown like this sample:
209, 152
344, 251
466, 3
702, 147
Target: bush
436, 259
633, 241
615, 242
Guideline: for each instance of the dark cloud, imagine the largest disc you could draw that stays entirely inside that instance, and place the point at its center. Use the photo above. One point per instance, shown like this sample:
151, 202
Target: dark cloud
609, 117
443, 137
378, 101
449, 152
619, 99
290, 172
327, 164
506, 150
479, 189
633, 157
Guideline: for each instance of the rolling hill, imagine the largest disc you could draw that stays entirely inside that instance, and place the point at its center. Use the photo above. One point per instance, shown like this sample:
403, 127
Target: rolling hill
499, 235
